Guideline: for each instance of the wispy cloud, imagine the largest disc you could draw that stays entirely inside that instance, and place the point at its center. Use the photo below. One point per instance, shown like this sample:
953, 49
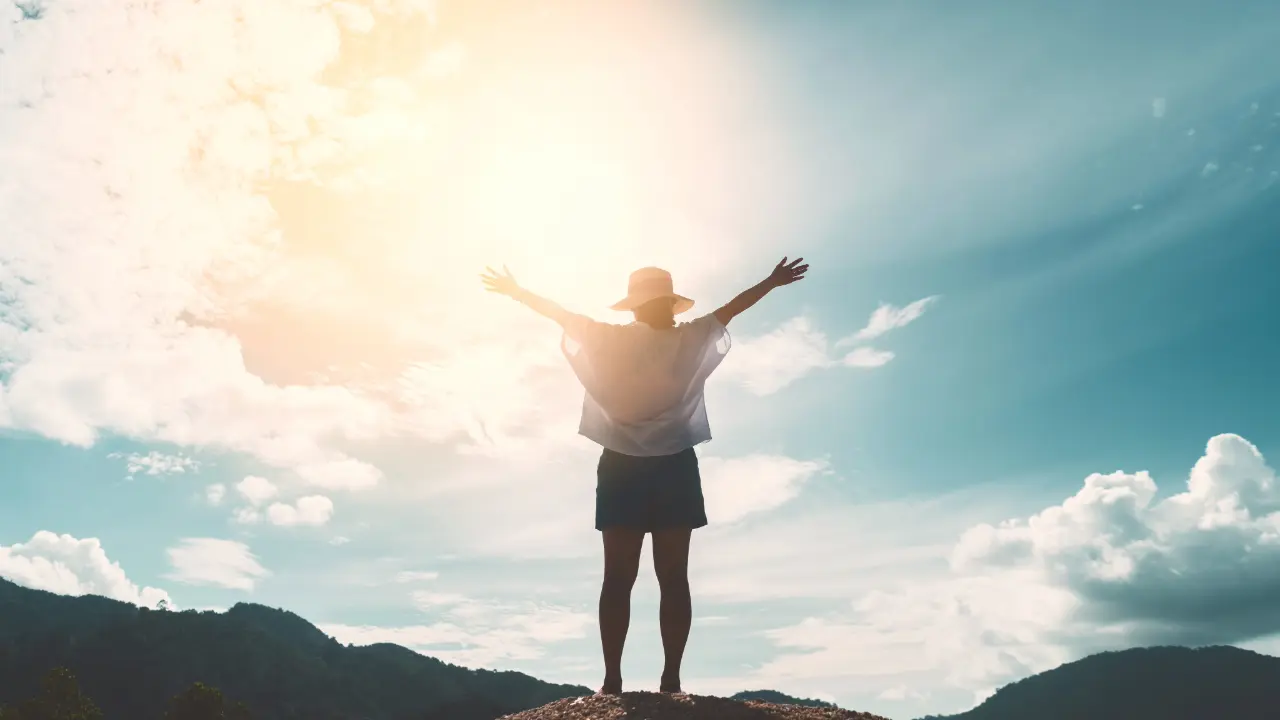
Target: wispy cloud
412, 576
768, 363
217, 563
867, 357
476, 633
888, 317
736, 488
214, 493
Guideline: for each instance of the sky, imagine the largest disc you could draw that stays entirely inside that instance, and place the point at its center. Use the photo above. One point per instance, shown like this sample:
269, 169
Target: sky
1020, 410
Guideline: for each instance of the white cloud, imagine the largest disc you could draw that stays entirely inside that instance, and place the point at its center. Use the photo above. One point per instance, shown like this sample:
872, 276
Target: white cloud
256, 490
1147, 564
867, 357
340, 474
770, 362
477, 633
1209, 169
1109, 567
246, 516
177, 301
339, 540
446, 60
886, 317
1158, 107
69, 566
109, 330
156, 463
767, 363
212, 562
313, 510
409, 576
738, 487
215, 493
903, 692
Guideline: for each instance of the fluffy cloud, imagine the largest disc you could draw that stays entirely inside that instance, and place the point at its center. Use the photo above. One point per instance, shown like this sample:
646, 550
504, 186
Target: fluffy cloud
476, 633
70, 566
136, 175
313, 510
1200, 566
1109, 567
217, 563
219, 220
256, 490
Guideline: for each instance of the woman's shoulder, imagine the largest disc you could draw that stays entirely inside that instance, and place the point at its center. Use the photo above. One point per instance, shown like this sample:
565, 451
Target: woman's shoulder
702, 322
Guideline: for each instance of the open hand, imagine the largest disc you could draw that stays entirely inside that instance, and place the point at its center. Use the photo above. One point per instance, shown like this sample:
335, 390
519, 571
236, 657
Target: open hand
502, 283
785, 274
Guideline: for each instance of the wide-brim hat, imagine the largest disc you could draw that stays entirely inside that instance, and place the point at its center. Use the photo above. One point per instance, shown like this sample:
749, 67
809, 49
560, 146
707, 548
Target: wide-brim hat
648, 284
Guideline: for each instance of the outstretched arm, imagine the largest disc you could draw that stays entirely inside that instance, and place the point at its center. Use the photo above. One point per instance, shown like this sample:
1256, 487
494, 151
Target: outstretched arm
505, 284
783, 274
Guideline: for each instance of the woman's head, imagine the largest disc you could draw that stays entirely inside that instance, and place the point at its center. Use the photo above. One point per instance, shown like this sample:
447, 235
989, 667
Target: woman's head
652, 299
658, 313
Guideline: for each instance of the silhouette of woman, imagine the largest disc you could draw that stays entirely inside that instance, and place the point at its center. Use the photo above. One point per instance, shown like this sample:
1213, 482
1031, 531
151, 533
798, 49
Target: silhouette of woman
644, 404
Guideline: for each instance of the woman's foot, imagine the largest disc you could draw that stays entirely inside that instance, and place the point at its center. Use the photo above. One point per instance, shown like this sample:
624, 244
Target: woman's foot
611, 686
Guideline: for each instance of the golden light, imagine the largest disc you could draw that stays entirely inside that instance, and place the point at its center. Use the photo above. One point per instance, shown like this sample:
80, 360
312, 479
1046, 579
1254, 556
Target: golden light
573, 144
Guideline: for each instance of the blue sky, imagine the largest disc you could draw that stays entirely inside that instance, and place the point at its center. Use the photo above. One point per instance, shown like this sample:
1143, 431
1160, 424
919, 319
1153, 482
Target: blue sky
244, 355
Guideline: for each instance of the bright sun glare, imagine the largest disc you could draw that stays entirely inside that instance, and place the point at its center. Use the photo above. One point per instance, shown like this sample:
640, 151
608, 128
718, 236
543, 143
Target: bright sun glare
586, 144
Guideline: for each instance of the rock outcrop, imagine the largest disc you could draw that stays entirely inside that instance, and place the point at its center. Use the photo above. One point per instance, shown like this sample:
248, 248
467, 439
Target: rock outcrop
661, 706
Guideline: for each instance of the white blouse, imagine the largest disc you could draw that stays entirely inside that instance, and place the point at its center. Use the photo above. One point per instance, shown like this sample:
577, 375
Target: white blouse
644, 385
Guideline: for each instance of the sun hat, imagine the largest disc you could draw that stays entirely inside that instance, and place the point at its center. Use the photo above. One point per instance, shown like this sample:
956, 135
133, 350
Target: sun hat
651, 283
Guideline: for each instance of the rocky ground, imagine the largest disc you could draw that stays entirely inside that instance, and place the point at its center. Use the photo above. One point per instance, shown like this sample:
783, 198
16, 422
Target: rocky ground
659, 706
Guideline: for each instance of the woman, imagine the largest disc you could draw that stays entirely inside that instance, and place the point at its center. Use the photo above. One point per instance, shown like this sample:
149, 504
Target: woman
644, 405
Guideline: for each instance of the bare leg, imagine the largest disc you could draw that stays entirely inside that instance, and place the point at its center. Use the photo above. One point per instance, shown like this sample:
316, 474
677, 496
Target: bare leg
621, 562
675, 615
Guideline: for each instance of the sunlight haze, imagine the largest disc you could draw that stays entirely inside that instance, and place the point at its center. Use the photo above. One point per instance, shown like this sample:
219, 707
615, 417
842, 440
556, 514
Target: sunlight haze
1021, 410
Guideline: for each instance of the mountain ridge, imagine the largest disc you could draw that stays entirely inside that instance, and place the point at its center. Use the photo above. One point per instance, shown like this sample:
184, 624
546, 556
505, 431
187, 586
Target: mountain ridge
275, 661
1166, 681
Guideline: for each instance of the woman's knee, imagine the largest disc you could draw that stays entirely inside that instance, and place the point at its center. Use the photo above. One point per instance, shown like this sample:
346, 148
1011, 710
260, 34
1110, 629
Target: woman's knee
620, 580
673, 579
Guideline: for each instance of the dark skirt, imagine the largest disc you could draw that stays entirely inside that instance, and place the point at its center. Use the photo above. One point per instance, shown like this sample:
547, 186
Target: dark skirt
649, 493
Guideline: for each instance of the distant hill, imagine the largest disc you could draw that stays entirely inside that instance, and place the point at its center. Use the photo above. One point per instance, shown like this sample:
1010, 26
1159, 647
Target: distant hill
776, 698
131, 660
1158, 683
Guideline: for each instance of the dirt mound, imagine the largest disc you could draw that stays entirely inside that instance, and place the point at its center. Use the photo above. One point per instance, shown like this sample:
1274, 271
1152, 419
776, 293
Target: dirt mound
659, 706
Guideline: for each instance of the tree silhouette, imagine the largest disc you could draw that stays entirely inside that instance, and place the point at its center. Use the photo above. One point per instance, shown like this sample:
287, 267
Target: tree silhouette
201, 702
59, 699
